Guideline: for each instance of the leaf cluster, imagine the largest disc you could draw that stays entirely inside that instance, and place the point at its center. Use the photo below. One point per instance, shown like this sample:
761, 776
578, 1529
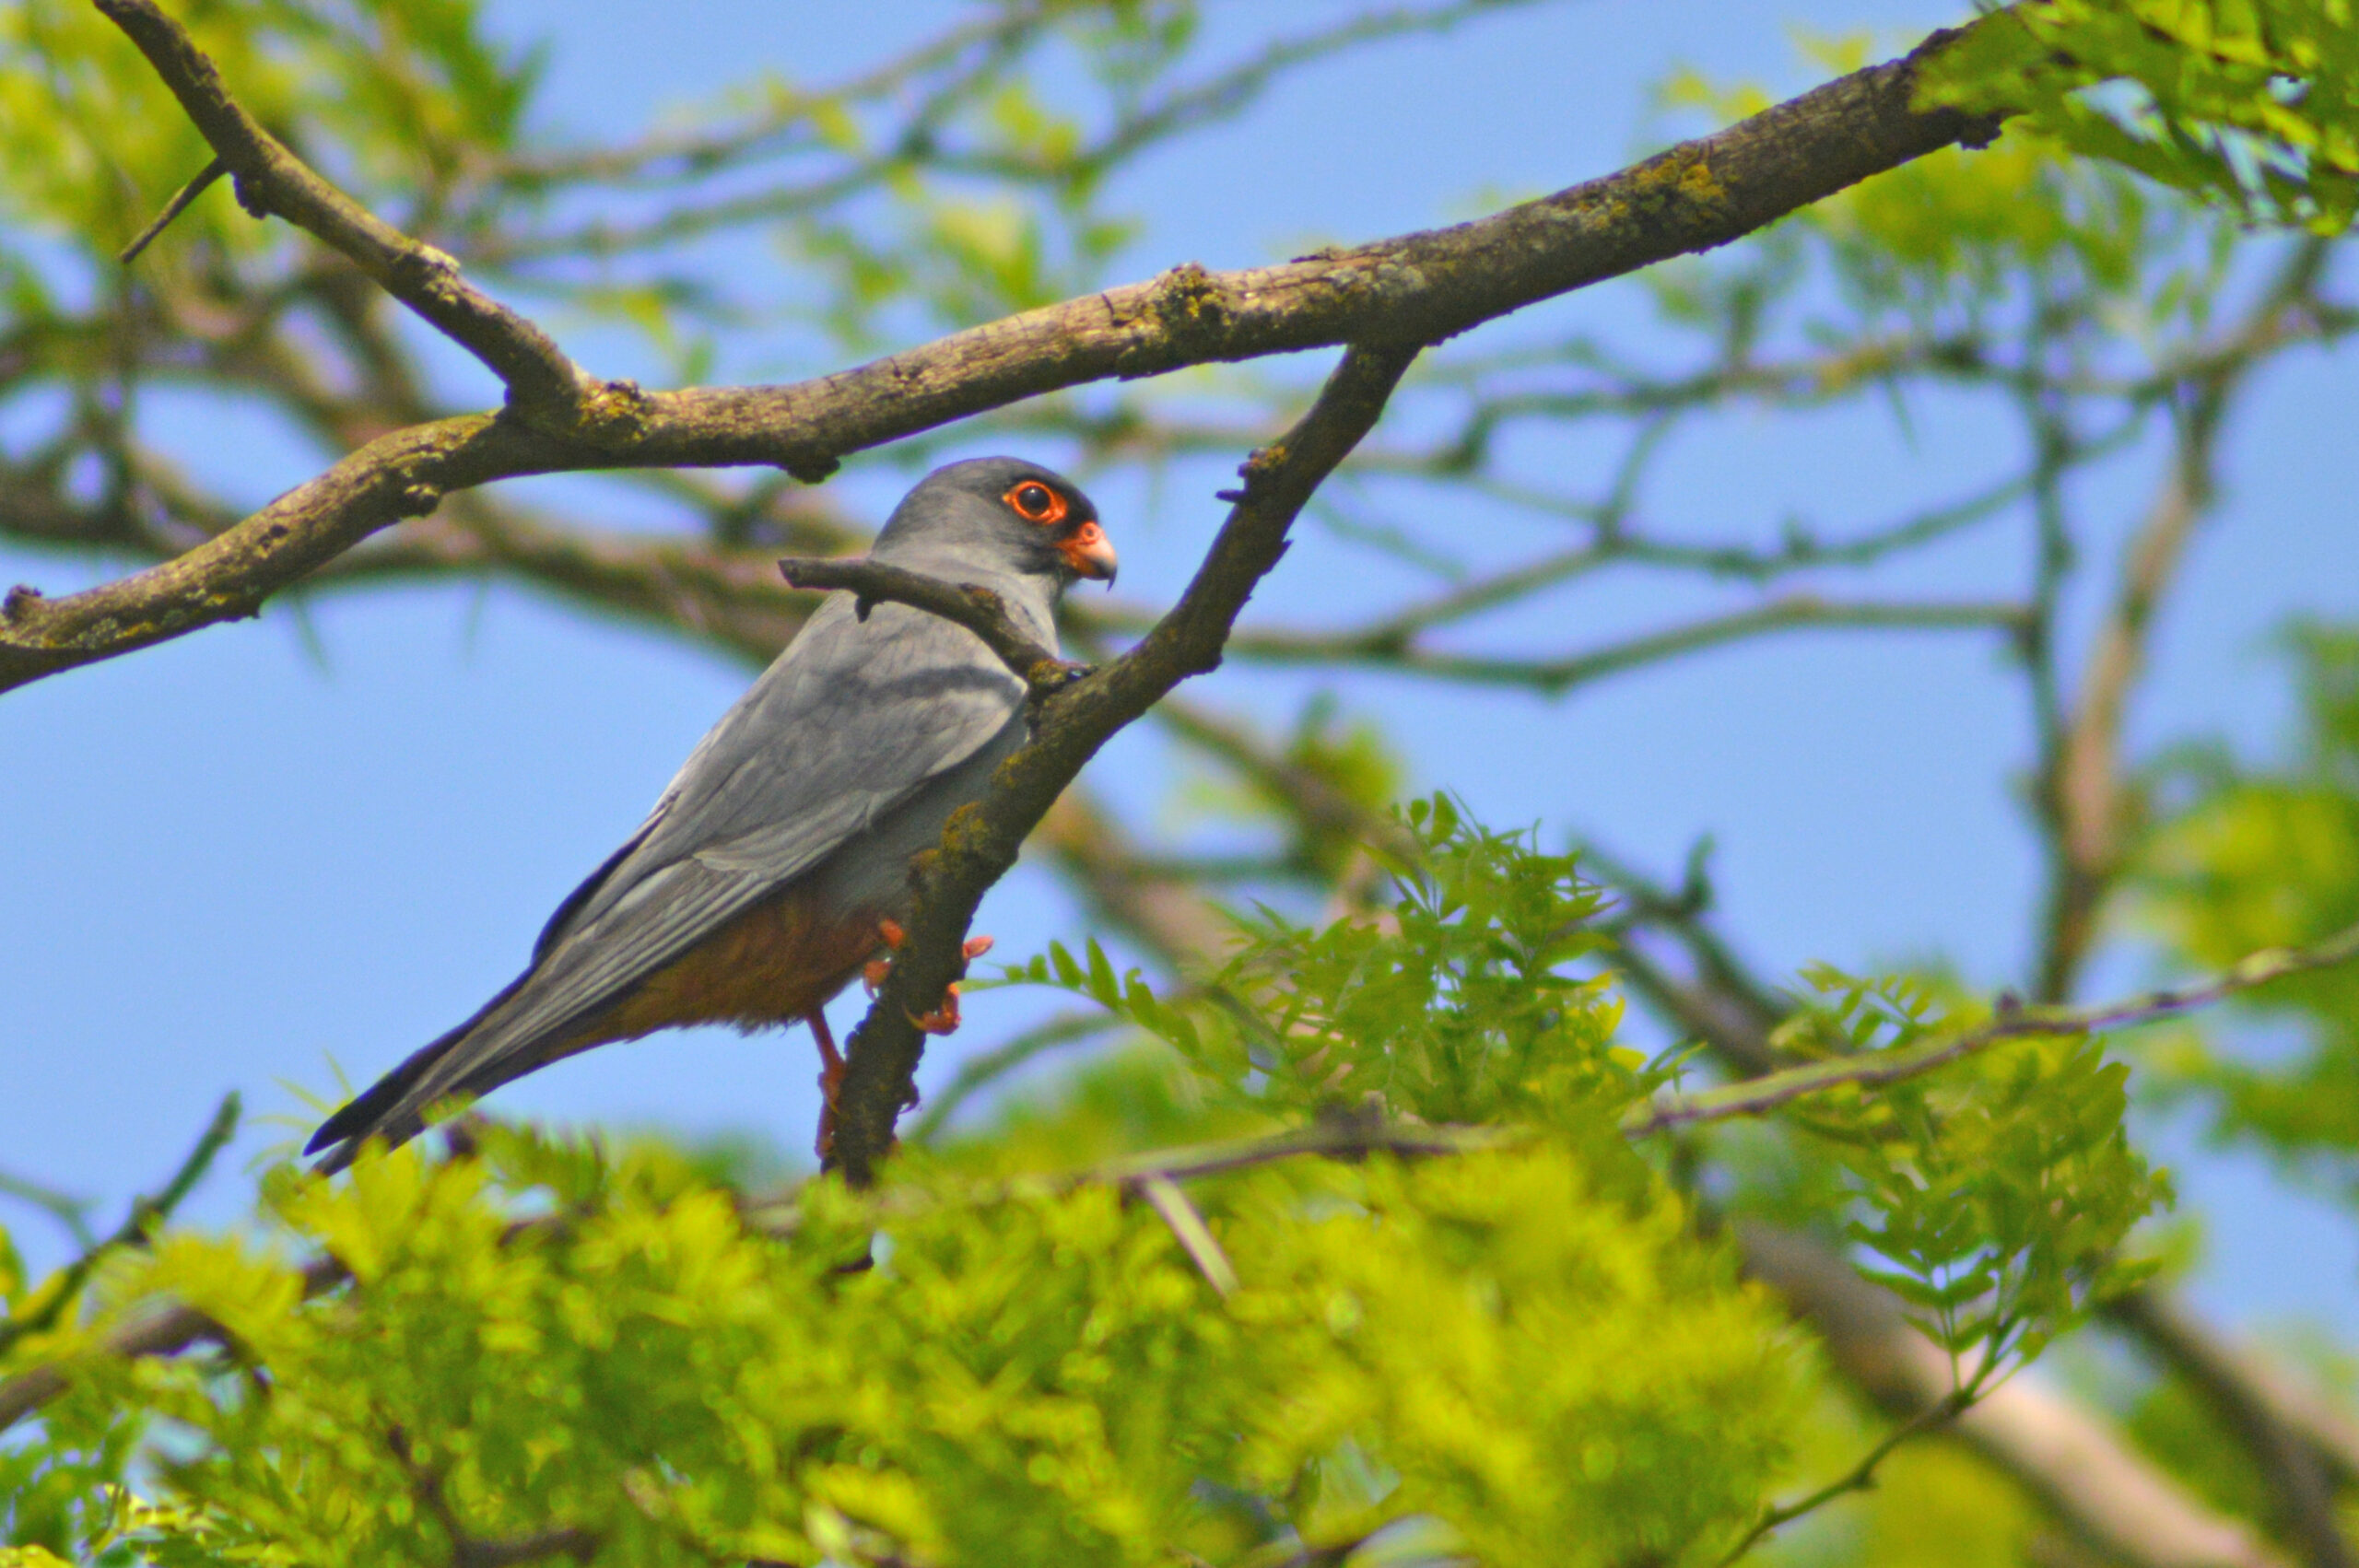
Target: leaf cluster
1463, 1000
539, 1337
1994, 1198
2253, 104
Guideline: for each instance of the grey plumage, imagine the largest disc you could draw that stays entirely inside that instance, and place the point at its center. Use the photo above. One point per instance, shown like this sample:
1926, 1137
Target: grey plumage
843, 758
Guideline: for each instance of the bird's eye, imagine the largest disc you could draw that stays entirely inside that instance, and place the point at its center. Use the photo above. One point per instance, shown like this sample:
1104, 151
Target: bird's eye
1035, 502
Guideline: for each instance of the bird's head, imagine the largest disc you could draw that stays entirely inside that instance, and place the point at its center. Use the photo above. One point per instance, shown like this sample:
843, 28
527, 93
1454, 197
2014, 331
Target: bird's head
999, 514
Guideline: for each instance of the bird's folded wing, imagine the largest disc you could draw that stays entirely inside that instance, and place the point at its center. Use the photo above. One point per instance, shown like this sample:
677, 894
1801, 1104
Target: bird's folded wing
854, 720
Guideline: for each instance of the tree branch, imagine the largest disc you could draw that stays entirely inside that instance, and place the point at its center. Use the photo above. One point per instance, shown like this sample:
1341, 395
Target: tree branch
1384, 650
982, 840
2304, 1448
2130, 1509
1412, 290
2083, 800
976, 609
541, 381
1760, 1095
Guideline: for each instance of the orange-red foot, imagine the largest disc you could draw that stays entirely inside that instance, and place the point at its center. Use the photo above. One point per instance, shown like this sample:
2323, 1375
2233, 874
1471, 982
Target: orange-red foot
942, 1020
831, 1077
872, 972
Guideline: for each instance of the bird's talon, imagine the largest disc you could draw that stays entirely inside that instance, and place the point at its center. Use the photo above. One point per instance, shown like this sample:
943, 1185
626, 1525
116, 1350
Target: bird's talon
892, 932
975, 947
942, 1020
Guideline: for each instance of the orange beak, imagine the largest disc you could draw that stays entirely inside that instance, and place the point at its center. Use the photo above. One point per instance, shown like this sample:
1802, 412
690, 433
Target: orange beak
1089, 553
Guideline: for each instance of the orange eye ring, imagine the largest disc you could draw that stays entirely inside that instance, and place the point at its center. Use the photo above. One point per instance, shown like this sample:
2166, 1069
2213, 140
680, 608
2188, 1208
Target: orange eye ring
1036, 502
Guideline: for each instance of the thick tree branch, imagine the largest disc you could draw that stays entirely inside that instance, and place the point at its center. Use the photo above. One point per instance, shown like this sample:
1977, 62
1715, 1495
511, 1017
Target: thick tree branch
2304, 1446
1411, 290
981, 841
270, 180
2068, 1458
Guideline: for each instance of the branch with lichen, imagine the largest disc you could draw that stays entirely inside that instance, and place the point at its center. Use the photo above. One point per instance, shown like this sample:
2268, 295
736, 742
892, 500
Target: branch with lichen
1412, 290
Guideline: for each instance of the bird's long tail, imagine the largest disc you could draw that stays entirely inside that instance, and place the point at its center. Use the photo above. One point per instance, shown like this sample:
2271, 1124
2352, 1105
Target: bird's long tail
377, 1112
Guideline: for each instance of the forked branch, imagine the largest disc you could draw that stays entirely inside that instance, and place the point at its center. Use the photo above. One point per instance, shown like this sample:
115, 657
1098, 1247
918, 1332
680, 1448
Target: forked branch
271, 181
1410, 289
1069, 726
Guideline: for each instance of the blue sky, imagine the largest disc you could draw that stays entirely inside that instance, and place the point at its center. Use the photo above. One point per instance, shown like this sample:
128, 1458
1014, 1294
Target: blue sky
232, 861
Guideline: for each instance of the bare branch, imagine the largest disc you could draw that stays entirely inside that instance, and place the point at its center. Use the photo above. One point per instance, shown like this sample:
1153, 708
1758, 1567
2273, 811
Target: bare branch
146, 1213
172, 209
270, 180
2083, 798
1383, 650
1414, 289
1162, 1194
978, 609
2304, 1446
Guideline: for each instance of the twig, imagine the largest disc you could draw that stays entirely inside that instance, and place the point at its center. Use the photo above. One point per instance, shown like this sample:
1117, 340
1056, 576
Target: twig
173, 209
1162, 1194
981, 843
70, 1212
145, 1212
1340, 1138
270, 180
1761, 1095
976, 609
1859, 1478
470, 1551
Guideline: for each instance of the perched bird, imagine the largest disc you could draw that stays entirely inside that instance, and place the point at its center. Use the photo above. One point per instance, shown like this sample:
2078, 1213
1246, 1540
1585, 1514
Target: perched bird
775, 867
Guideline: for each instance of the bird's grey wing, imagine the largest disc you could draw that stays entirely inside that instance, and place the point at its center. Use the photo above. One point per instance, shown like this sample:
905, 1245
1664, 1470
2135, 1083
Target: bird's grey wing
832, 737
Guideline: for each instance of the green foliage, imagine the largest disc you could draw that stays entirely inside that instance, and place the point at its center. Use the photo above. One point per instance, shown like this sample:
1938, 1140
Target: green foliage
2250, 103
1997, 1195
2254, 858
1525, 1354
387, 93
1460, 1003
2000, 1192
1022, 1377
1965, 242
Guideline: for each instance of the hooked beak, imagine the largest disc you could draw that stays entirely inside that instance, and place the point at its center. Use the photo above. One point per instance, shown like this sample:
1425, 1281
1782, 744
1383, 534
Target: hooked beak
1089, 553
